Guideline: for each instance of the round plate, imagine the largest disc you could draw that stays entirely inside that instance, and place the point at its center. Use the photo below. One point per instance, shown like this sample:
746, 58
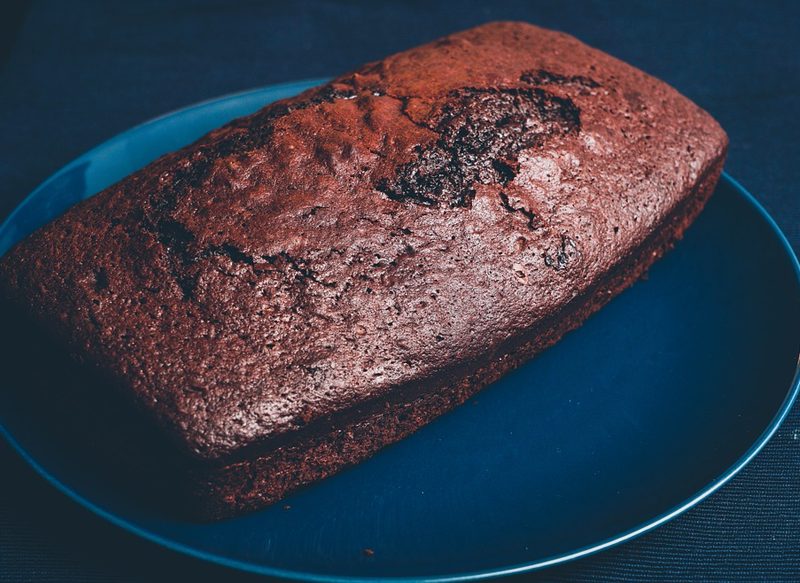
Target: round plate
647, 409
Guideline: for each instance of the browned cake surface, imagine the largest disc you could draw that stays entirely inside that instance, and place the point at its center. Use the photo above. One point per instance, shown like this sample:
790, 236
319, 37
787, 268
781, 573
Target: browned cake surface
312, 282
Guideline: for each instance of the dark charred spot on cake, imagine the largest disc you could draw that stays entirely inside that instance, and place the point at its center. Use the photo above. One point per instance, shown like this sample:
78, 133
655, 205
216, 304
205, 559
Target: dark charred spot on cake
533, 221
100, 279
425, 181
481, 133
191, 173
506, 171
235, 254
563, 256
187, 283
176, 239
174, 234
299, 267
232, 252
545, 77
313, 211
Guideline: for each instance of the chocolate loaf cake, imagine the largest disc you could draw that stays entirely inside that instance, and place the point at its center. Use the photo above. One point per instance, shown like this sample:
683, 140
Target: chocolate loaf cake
308, 284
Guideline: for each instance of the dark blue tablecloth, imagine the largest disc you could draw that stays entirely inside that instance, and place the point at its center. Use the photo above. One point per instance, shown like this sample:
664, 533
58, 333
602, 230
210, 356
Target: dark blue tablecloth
76, 73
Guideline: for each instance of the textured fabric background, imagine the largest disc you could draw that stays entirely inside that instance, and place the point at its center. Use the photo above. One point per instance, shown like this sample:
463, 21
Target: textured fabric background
76, 73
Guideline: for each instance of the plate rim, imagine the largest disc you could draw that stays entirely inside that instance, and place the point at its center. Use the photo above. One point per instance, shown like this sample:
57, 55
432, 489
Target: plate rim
260, 569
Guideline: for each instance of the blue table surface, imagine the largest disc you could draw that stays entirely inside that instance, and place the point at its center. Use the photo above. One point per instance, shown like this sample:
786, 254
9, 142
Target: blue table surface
74, 74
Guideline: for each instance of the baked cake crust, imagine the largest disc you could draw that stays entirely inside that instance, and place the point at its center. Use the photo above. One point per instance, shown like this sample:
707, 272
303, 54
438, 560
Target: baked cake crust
310, 283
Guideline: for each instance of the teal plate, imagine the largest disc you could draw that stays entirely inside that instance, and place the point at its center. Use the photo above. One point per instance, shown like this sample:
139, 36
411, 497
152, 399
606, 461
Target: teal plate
652, 405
